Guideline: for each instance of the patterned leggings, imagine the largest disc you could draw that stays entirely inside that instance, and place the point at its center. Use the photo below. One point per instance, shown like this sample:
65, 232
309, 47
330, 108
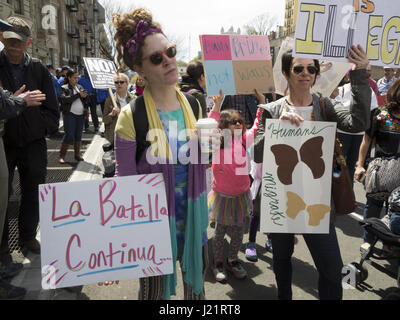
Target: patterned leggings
152, 288
236, 234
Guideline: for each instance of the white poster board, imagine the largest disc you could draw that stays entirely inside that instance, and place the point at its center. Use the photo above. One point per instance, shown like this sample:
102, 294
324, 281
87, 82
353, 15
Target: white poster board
110, 229
330, 75
327, 29
296, 177
101, 72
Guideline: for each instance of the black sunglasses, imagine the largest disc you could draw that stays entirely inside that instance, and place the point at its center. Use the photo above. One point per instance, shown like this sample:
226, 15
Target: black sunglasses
235, 121
299, 69
120, 82
157, 57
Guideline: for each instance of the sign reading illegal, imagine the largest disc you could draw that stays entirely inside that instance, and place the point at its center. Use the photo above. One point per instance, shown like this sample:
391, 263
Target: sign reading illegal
327, 29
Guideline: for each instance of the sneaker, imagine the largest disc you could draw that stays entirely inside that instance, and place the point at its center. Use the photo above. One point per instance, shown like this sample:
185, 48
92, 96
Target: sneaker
268, 245
30, 245
10, 292
219, 272
10, 270
235, 267
251, 252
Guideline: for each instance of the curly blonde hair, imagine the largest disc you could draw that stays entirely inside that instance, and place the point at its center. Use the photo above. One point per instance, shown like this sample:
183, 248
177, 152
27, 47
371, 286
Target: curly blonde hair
125, 26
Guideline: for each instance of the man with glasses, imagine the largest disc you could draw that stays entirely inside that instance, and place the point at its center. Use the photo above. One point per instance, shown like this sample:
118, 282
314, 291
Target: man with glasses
10, 107
25, 135
386, 82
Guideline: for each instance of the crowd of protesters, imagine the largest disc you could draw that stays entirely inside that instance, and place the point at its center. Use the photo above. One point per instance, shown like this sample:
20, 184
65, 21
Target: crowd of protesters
34, 99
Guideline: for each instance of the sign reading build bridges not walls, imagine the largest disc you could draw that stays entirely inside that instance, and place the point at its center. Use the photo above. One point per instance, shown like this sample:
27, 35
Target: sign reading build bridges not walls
237, 64
327, 29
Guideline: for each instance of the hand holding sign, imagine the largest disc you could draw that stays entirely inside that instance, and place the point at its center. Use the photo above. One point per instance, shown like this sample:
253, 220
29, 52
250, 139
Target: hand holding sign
358, 56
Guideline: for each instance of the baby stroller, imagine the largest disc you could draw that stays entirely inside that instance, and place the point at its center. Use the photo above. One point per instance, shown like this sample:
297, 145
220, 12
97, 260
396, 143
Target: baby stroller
383, 234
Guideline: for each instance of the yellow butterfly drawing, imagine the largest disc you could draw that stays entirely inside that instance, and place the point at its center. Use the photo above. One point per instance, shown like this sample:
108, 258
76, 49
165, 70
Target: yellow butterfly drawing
295, 204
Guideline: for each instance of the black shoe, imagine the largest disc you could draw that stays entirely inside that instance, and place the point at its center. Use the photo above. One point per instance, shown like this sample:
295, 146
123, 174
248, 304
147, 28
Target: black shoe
10, 292
30, 245
10, 270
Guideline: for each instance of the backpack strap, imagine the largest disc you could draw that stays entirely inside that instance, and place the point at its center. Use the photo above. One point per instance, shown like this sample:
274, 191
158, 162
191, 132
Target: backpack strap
141, 121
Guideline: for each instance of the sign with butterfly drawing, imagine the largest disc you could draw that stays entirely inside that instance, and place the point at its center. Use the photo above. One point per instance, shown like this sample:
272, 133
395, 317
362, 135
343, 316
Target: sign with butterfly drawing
296, 177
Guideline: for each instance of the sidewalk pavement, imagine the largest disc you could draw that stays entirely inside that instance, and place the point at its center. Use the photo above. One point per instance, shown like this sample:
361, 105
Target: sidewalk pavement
260, 283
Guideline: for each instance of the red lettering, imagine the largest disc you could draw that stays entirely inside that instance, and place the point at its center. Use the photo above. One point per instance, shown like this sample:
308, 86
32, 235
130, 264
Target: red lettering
53, 215
104, 220
80, 265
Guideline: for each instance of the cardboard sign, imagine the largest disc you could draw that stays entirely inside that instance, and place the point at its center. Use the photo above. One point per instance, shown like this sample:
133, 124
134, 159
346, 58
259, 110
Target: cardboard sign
296, 177
330, 75
101, 72
327, 29
237, 64
110, 229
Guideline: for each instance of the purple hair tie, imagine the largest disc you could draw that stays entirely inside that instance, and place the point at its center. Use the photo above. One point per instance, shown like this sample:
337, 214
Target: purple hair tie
143, 29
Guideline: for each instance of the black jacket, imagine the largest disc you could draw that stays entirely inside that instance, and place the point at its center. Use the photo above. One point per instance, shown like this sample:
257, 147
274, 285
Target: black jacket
10, 107
68, 97
32, 123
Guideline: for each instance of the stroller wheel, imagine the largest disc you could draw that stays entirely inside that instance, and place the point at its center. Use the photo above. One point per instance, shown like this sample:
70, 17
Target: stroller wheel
361, 272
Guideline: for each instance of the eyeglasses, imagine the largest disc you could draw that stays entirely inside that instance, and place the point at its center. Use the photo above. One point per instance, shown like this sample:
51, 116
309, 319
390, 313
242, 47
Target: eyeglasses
119, 82
235, 121
157, 57
299, 69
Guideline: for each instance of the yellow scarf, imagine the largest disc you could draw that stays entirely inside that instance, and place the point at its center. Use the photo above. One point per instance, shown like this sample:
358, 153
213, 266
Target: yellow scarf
159, 142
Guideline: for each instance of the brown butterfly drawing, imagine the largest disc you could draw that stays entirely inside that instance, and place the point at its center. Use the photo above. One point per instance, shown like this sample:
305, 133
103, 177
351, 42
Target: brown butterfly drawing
295, 204
286, 159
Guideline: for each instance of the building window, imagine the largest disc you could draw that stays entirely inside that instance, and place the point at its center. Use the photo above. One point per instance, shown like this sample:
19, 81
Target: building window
18, 6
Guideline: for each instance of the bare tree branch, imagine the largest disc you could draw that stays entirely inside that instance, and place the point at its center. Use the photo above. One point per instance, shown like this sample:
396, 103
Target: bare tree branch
261, 25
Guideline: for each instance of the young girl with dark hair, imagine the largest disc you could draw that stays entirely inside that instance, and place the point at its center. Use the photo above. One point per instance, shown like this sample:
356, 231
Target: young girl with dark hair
229, 200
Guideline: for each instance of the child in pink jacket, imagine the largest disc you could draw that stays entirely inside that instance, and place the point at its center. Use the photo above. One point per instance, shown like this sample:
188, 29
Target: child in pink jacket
229, 200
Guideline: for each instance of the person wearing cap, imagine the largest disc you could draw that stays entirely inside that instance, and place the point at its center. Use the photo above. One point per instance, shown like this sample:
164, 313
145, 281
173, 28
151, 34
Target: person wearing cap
386, 82
25, 135
64, 70
10, 107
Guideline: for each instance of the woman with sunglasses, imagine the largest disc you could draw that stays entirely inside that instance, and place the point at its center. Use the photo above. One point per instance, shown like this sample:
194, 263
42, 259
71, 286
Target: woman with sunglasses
298, 106
144, 48
122, 97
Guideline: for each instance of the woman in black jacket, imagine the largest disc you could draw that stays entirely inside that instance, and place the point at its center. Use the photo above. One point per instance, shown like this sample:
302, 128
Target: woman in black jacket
74, 106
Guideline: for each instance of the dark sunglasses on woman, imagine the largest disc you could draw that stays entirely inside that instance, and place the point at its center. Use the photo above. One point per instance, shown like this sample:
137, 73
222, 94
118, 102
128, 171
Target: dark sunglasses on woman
119, 82
157, 57
235, 121
299, 69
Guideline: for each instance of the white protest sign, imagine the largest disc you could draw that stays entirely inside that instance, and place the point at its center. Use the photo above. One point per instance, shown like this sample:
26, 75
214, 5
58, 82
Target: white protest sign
110, 229
327, 29
296, 177
101, 72
331, 72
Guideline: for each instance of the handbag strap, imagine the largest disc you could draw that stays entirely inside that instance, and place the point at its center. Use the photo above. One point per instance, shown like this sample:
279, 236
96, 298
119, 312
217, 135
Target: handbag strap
322, 106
